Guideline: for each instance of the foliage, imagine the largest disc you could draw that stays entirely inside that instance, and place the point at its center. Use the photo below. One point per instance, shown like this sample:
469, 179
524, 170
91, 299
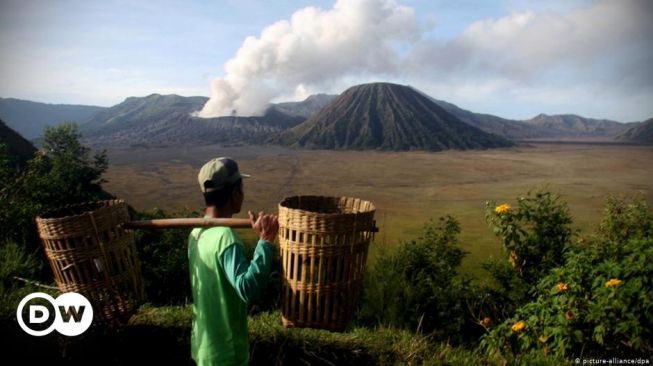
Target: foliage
418, 286
535, 233
14, 261
64, 173
164, 261
7, 163
598, 302
624, 219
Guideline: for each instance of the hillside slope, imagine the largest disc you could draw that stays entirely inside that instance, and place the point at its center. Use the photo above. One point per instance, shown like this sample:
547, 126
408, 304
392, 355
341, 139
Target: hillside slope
30, 118
571, 125
167, 120
387, 117
640, 133
19, 149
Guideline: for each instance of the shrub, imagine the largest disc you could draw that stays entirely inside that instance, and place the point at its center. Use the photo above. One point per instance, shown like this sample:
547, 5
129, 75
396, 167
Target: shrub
14, 261
164, 261
535, 233
534, 236
598, 302
418, 286
64, 173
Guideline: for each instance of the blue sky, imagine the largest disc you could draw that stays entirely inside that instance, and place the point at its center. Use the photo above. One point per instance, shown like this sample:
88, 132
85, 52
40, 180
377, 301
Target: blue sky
514, 59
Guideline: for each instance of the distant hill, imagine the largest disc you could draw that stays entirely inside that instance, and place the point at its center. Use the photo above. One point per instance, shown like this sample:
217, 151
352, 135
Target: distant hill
570, 125
30, 118
138, 112
310, 106
507, 128
18, 147
641, 133
388, 117
564, 126
167, 120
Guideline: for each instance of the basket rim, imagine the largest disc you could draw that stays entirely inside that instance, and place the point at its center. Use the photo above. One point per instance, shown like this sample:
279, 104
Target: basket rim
103, 205
371, 209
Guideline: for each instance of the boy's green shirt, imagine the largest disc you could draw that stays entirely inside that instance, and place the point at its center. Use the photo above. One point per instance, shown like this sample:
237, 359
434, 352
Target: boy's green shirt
223, 281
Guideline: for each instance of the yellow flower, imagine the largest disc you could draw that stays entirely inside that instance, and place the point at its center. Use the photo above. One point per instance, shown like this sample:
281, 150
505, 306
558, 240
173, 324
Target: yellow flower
613, 282
569, 315
562, 287
503, 208
518, 326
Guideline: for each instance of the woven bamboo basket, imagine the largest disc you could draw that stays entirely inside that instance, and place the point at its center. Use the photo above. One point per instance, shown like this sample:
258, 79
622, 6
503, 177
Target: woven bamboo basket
91, 253
323, 243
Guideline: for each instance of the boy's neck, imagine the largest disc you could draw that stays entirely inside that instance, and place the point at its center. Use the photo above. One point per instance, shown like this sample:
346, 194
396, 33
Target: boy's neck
218, 212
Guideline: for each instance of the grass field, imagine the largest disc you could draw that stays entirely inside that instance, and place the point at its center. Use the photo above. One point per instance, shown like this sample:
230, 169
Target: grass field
408, 188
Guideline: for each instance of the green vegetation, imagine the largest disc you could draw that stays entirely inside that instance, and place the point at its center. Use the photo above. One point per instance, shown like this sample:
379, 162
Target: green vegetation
165, 274
418, 286
598, 301
63, 173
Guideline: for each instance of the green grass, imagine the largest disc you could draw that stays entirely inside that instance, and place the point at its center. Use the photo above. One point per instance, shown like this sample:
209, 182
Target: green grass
271, 343
408, 188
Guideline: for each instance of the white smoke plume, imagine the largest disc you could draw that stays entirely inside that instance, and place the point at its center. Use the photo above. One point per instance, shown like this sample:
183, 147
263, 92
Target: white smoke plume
597, 54
314, 47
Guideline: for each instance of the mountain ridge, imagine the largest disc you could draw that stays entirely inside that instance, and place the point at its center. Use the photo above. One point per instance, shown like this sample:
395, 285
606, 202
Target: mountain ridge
386, 116
639, 133
30, 118
167, 119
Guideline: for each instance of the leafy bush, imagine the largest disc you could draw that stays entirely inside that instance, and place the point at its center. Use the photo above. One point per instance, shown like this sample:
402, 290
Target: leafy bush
625, 219
164, 261
598, 302
418, 286
63, 173
14, 261
534, 236
535, 233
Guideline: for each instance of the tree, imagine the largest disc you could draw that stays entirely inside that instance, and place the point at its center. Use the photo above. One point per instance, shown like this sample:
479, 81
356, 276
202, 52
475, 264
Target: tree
63, 173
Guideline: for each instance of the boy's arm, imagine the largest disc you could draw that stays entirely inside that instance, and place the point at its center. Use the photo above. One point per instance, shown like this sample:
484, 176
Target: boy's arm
248, 278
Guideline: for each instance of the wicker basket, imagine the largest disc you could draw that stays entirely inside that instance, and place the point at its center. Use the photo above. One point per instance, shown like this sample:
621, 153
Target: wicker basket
323, 242
92, 254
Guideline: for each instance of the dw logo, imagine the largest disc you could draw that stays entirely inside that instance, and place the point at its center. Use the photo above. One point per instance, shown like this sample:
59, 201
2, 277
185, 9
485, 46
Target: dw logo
70, 314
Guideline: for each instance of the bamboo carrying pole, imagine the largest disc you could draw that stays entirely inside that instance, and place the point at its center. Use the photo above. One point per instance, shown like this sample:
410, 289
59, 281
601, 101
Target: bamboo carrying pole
188, 223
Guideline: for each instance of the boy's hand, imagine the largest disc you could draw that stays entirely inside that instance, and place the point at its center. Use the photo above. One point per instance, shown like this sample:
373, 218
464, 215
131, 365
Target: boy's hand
266, 226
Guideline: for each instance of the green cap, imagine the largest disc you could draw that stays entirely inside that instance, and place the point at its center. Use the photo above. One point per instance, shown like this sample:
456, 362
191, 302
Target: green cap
219, 173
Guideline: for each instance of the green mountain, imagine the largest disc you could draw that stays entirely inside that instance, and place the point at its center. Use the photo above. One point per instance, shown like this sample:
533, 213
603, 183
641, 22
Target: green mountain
168, 120
20, 150
387, 117
30, 118
640, 133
